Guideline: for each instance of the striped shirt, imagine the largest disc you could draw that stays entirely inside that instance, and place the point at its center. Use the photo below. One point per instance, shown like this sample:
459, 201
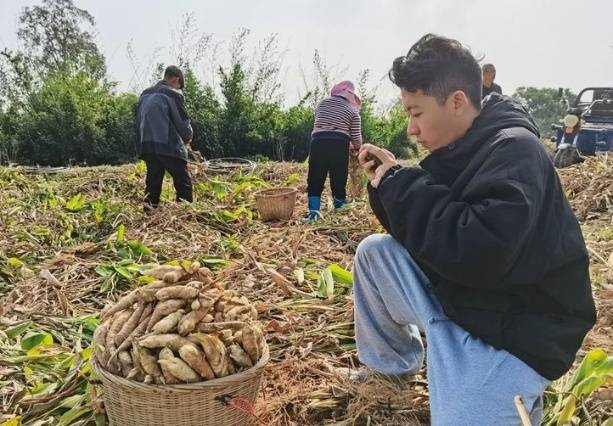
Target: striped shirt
336, 114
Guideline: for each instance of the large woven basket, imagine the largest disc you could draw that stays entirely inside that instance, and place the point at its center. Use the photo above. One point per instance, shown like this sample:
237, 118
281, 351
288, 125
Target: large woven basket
130, 403
276, 203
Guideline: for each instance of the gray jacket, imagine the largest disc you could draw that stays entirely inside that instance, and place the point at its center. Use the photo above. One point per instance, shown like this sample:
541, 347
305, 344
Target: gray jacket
163, 124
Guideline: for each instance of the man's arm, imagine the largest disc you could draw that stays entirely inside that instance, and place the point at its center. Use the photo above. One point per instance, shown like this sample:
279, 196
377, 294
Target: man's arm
476, 239
138, 118
179, 117
356, 131
377, 207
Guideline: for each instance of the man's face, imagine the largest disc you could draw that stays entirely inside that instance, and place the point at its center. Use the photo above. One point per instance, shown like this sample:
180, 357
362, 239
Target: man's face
431, 124
175, 83
489, 76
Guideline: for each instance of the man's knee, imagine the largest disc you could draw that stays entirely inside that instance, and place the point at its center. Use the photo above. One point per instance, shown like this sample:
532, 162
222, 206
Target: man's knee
372, 246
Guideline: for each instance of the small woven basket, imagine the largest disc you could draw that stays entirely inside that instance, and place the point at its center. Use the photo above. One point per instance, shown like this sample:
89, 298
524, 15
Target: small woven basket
276, 203
130, 403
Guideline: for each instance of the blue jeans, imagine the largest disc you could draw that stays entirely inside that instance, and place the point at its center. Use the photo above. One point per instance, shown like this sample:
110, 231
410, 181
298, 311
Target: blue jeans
470, 382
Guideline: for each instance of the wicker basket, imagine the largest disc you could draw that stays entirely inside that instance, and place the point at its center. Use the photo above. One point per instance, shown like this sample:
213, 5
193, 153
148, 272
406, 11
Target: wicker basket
130, 403
275, 203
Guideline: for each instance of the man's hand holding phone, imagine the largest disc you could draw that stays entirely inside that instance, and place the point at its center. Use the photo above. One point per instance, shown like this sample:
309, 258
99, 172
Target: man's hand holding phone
376, 162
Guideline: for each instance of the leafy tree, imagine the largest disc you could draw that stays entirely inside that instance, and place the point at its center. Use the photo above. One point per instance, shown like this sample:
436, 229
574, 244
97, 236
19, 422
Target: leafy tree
299, 121
54, 40
55, 37
204, 110
544, 105
59, 108
74, 119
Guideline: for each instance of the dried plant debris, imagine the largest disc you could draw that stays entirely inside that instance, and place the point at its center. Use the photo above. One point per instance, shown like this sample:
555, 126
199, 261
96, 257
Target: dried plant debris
165, 296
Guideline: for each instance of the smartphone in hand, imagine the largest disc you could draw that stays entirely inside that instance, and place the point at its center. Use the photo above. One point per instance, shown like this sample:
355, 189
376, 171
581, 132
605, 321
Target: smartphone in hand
370, 157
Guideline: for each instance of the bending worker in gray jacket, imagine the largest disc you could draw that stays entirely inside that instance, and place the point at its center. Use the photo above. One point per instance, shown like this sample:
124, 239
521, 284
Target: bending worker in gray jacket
164, 132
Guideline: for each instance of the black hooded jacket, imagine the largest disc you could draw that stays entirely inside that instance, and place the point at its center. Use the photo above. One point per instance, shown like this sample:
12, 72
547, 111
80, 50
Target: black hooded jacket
163, 125
487, 220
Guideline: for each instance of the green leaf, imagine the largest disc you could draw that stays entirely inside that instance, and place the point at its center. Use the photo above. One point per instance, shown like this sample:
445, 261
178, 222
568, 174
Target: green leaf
213, 262
15, 421
105, 270
34, 339
68, 361
325, 284
108, 284
86, 353
28, 373
229, 215
71, 401
124, 272
589, 385
139, 249
592, 360
43, 388
292, 179
18, 329
567, 413
73, 414
311, 275
13, 262
605, 368
76, 203
340, 274
121, 232
146, 279
90, 323
594, 371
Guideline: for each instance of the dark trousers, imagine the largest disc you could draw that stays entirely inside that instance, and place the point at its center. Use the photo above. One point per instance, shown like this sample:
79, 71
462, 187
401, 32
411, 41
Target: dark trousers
157, 165
328, 157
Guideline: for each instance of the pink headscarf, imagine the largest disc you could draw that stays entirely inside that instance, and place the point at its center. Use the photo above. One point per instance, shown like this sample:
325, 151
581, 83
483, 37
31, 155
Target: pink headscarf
346, 90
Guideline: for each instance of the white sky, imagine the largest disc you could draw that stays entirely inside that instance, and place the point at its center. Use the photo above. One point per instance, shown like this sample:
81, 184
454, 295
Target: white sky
532, 43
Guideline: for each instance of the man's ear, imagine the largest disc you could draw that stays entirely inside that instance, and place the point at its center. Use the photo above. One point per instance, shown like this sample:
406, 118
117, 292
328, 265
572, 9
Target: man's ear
459, 101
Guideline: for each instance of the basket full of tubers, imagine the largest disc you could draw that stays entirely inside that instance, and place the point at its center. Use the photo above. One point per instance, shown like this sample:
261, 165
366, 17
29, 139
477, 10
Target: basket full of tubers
179, 351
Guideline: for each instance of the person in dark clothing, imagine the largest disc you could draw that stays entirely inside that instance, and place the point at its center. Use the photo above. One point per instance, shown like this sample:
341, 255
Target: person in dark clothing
164, 133
484, 254
337, 128
489, 75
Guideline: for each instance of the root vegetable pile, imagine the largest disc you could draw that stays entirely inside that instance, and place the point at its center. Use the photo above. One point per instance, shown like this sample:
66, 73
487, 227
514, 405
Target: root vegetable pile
181, 328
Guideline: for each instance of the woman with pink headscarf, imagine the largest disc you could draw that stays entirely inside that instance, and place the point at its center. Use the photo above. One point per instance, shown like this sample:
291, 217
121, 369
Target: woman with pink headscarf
337, 128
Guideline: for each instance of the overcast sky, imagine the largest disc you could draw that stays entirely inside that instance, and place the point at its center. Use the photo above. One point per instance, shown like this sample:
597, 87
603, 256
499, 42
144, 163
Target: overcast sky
532, 43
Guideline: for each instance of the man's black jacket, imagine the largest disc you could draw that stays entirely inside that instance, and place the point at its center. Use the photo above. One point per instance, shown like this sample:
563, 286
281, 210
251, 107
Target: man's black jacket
163, 124
493, 88
487, 220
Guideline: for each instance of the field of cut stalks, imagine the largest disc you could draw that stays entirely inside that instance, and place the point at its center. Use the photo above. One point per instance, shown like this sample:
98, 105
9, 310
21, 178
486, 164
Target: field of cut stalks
72, 241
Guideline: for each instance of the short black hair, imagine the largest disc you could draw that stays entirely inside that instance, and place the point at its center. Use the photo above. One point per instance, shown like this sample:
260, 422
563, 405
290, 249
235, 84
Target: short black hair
488, 67
438, 66
174, 71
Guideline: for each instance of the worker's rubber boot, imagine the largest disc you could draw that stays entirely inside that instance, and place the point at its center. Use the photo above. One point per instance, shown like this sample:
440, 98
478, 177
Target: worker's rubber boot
314, 209
339, 202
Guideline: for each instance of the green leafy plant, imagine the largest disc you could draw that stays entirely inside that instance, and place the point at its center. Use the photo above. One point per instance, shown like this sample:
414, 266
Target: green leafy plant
595, 370
328, 277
